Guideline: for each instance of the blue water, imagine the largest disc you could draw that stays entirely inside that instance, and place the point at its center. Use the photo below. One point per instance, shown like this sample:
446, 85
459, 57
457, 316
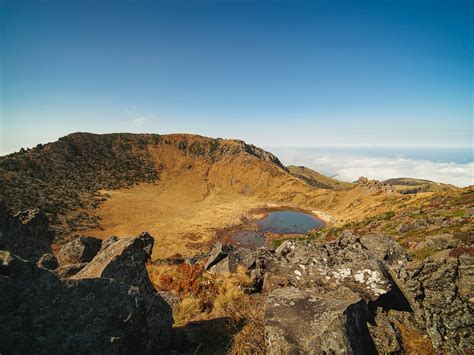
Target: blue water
280, 222
286, 222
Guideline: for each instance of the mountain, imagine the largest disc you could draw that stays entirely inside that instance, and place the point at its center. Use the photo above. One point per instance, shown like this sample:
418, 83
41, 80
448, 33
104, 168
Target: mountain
413, 186
316, 179
183, 188
387, 273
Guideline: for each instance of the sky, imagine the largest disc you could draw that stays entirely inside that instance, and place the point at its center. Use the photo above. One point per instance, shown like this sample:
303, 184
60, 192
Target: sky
269, 72
278, 74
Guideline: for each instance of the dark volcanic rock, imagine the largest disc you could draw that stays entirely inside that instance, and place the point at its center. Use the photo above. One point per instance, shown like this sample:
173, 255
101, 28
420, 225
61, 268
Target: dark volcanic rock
217, 253
41, 314
28, 235
122, 260
344, 262
110, 308
48, 261
80, 250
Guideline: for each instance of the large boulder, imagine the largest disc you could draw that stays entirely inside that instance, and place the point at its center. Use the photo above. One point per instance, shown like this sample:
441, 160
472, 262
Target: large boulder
310, 322
217, 253
28, 235
321, 296
328, 266
80, 250
123, 260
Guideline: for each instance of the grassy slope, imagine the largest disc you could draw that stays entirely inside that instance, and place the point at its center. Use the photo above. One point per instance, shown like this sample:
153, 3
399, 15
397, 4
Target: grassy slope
316, 179
182, 188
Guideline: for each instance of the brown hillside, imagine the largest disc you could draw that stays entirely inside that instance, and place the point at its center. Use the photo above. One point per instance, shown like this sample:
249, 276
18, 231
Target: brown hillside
181, 188
315, 179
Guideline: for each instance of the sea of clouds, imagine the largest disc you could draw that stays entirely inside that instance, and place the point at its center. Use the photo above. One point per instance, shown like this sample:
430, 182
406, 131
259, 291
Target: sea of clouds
349, 167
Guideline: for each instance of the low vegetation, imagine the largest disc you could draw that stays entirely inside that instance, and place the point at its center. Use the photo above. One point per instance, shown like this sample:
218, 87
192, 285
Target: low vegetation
206, 297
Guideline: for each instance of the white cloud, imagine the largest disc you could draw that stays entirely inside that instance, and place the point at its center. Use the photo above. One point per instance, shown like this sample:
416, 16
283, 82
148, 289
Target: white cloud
350, 167
140, 121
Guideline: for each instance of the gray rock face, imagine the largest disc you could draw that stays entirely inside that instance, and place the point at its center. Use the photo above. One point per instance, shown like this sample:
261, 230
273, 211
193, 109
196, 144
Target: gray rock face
344, 262
371, 286
41, 314
319, 295
80, 250
28, 235
441, 292
309, 322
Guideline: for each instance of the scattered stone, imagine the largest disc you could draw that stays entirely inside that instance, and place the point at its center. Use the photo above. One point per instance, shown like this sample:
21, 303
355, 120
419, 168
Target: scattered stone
438, 242
284, 248
225, 266
217, 253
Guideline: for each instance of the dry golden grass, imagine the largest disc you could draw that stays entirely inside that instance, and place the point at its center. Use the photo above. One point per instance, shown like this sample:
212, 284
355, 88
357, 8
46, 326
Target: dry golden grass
206, 297
178, 211
413, 342
197, 196
183, 212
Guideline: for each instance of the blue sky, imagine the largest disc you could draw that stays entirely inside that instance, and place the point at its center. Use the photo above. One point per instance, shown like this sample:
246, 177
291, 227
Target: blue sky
269, 72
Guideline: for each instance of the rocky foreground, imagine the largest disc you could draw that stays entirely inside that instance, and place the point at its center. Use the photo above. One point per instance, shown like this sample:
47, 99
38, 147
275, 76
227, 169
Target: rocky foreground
356, 294
94, 298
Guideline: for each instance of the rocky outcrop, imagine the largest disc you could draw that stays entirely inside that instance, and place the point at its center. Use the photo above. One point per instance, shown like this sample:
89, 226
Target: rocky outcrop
439, 290
28, 235
122, 260
80, 250
109, 306
323, 296
41, 314
363, 295
375, 185
441, 293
